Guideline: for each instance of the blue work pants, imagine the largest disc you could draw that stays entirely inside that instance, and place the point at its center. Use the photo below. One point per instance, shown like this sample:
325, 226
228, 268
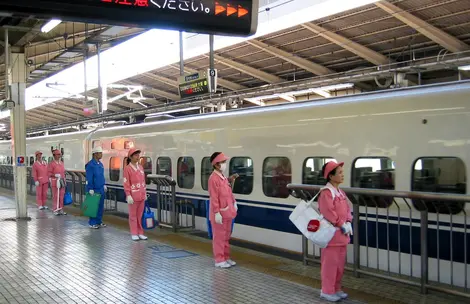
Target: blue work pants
99, 216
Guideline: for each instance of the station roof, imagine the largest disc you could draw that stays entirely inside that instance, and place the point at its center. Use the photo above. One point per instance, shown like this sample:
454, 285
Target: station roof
400, 33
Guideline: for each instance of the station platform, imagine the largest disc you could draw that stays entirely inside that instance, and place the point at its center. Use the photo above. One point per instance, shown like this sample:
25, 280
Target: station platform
59, 259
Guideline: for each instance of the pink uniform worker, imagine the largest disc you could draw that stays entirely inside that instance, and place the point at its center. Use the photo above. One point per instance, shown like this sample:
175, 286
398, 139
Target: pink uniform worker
222, 210
136, 193
338, 212
56, 171
41, 180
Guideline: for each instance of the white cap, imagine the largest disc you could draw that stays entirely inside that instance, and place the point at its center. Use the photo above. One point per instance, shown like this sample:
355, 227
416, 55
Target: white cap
97, 150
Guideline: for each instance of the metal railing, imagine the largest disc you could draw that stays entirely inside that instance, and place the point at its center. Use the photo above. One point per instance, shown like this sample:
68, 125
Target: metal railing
399, 242
6, 177
171, 212
76, 181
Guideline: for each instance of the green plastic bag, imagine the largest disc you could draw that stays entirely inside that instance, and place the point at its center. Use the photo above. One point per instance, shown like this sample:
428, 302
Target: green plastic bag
90, 205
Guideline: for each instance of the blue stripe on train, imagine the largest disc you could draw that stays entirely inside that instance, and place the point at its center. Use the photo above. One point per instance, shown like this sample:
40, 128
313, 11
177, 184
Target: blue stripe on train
410, 241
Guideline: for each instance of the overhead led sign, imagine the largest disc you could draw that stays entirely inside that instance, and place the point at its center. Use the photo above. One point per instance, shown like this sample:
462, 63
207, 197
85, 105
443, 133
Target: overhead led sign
197, 84
232, 17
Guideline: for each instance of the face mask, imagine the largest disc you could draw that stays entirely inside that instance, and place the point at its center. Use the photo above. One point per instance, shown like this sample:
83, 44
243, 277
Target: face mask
223, 167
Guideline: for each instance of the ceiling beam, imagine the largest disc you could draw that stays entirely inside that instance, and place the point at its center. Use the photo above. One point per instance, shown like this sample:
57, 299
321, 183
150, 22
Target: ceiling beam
354, 47
70, 108
437, 35
167, 81
257, 73
53, 109
38, 117
302, 63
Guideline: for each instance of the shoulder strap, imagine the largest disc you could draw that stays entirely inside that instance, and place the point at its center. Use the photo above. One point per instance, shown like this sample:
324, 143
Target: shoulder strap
321, 189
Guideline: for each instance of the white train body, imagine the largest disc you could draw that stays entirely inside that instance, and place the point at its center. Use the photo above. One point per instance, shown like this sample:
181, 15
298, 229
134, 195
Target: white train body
402, 125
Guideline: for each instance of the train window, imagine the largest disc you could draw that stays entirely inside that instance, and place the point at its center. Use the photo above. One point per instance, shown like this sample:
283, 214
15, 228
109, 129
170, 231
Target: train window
31, 160
441, 175
206, 171
164, 166
185, 172
374, 173
312, 170
277, 173
128, 145
113, 145
146, 163
114, 168
243, 166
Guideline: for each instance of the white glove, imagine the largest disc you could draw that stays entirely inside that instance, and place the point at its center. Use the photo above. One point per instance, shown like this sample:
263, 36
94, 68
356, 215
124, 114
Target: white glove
218, 218
130, 200
105, 189
91, 192
344, 228
236, 206
349, 228
57, 175
36, 183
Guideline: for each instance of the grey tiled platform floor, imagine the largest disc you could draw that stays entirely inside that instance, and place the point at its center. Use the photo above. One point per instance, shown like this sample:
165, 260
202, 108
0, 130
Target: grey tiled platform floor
60, 260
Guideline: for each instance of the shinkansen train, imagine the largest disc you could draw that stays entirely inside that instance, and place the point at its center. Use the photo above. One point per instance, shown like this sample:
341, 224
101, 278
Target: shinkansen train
404, 139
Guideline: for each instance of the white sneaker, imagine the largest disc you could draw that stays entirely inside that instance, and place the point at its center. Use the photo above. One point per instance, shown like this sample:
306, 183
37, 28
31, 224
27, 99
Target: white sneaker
135, 238
330, 297
223, 265
142, 237
342, 294
56, 213
45, 207
41, 207
231, 262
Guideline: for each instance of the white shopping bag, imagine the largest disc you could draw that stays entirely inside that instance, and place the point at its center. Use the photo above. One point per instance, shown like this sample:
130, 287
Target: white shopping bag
306, 213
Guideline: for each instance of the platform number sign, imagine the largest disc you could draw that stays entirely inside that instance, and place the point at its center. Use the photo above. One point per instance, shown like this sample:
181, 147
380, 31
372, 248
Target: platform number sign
20, 161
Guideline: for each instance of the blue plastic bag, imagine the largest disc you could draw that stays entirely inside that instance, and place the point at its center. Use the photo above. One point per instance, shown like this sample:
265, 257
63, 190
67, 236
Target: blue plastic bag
148, 218
68, 198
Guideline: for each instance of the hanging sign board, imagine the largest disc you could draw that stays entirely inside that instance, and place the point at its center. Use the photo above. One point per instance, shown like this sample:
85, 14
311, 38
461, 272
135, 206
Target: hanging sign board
198, 83
231, 17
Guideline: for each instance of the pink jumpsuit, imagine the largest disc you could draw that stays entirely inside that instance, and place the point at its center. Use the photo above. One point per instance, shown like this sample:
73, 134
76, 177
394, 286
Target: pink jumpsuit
56, 167
134, 185
221, 200
40, 175
333, 257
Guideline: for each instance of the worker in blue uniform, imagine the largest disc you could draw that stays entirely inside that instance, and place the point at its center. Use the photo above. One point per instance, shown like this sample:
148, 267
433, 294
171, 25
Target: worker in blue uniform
95, 183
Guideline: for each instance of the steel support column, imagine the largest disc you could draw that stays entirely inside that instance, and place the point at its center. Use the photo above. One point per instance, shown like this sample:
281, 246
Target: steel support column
18, 131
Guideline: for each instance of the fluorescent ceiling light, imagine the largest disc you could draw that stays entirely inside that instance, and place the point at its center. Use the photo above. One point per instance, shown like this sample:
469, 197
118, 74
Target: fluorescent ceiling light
46, 28
464, 68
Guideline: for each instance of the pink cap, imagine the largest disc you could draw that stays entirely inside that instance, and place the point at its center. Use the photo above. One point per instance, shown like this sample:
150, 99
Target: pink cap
132, 151
220, 158
37, 152
330, 166
56, 152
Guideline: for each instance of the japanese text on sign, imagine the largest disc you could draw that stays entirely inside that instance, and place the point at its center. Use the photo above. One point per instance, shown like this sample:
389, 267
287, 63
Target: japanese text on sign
180, 5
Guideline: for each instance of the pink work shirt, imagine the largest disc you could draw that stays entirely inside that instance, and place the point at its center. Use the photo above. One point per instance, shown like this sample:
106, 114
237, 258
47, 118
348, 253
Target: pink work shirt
337, 212
134, 182
56, 167
39, 172
221, 197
